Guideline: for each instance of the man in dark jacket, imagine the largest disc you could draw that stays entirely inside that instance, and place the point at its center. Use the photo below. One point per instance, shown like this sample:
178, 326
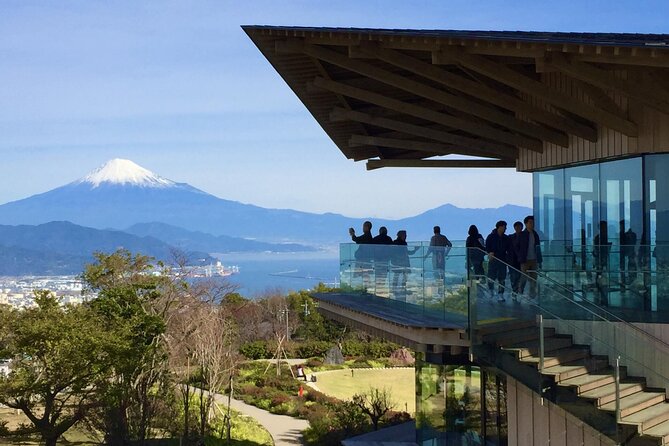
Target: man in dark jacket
363, 255
439, 248
401, 265
528, 251
381, 255
497, 246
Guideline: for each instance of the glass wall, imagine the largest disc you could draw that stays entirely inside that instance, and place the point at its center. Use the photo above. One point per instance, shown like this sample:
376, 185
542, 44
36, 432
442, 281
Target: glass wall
460, 405
653, 259
605, 227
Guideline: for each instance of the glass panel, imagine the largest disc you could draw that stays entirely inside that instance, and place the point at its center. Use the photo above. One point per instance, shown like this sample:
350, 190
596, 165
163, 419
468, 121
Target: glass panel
449, 406
582, 194
620, 229
655, 262
549, 203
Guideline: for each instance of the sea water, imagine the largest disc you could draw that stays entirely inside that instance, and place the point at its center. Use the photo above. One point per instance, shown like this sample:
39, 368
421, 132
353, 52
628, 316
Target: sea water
262, 273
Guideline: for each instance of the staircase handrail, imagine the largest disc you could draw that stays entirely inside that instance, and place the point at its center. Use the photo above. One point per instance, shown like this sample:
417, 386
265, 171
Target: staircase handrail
618, 319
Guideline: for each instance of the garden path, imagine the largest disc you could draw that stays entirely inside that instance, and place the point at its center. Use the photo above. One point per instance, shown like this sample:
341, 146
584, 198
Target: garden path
285, 430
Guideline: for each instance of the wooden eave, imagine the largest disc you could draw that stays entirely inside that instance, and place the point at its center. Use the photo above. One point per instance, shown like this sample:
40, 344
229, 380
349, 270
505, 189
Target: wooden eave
470, 96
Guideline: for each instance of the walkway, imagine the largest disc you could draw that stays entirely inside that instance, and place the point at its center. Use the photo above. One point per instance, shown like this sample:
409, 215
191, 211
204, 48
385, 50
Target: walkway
285, 430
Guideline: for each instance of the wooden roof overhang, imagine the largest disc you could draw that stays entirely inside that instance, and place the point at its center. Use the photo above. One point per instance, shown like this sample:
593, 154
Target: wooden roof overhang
403, 98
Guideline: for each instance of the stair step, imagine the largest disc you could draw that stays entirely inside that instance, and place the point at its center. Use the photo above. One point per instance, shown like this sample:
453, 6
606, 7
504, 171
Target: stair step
589, 381
661, 432
635, 403
503, 327
605, 394
649, 417
511, 337
557, 357
566, 371
531, 348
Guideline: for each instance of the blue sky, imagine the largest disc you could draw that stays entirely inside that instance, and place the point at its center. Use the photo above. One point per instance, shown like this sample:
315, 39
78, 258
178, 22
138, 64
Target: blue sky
177, 87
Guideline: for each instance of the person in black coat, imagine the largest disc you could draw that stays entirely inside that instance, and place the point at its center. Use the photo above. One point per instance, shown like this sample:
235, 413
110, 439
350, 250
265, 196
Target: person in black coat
363, 255
381, 255
497, 245
401, 265
475, 251
528, 252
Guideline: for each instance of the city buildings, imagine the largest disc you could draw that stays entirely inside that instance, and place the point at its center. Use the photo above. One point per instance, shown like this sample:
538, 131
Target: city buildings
587, 361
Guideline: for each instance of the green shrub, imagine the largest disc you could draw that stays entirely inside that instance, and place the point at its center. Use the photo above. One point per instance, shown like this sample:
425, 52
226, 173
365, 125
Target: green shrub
310, 349
256, 350
371, 349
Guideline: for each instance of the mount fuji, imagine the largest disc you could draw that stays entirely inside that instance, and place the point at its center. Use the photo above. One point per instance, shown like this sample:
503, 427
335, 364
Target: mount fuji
121, 194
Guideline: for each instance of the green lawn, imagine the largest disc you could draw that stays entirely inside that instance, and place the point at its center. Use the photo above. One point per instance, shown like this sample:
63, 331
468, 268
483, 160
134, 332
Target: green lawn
400, 381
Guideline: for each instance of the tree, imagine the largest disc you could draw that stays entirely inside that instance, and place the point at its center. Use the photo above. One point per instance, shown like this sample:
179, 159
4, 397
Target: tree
60, 357
375, 403
216, 352
132, 305
201, 339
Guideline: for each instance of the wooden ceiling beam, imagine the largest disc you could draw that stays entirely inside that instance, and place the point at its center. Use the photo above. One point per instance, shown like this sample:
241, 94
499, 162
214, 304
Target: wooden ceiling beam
478, 145
643, 61
430, 148
483, 92
506, 75
429, 115
649, 57
418, 146
477, 164
434, 94
598, 97
606, 80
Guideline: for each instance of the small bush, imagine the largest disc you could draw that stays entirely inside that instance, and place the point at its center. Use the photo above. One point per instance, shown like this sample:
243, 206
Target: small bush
309, 349
314, 362
256, 350
279, 399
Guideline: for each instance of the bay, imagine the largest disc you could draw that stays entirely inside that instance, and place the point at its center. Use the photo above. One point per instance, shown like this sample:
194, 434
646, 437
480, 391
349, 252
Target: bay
262, 273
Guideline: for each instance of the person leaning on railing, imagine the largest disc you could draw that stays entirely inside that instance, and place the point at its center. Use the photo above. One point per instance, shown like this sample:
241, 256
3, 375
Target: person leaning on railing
475, 251
363, 255
529, 256
401, 265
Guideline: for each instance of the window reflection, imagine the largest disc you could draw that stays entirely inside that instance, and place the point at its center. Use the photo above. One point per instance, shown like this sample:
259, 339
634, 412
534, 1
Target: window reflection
606, 230
460, 405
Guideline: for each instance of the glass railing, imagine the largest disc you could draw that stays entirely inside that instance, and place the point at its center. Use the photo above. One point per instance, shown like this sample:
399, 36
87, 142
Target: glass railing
563, 329
417, 278
631, 280
571, 333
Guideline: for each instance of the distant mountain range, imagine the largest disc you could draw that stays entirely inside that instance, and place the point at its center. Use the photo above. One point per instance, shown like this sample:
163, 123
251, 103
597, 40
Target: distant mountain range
124, 205
64, 248
121, 194
200, 241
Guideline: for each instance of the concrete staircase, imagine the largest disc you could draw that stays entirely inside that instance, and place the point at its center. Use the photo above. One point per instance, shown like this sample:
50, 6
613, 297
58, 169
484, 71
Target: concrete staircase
584, 384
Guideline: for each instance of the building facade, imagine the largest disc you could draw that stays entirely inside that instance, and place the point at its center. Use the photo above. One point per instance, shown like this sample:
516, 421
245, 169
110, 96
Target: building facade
585, 361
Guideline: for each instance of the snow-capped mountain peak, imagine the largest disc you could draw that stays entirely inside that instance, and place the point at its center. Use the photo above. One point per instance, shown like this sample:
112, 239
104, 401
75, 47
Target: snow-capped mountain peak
125, 172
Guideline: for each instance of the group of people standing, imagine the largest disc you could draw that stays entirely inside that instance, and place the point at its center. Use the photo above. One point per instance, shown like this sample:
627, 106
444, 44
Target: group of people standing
518, 252
395, 254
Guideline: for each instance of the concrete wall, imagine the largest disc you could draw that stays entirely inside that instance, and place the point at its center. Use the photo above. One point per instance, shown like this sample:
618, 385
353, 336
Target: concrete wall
533, 424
